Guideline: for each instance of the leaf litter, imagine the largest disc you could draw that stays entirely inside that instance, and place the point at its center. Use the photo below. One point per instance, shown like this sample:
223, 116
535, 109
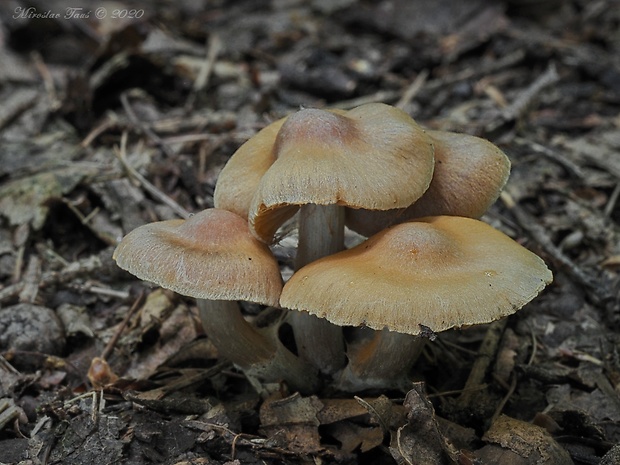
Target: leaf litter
176, 93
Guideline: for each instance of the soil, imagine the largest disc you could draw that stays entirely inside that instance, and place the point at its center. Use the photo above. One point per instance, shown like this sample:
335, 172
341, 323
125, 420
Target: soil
122, 113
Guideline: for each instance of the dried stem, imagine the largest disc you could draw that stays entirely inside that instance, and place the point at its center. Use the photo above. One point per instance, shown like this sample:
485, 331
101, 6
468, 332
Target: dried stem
486, 354
146, 184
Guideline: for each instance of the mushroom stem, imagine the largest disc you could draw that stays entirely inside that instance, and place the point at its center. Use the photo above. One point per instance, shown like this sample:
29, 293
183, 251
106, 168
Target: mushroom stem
321, 233
254, 352
382, 361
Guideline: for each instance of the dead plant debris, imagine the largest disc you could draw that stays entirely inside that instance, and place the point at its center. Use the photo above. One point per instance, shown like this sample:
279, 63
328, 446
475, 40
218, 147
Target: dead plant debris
122, 114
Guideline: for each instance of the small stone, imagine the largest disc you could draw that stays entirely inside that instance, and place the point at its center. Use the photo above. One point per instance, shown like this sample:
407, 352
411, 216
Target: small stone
31, 327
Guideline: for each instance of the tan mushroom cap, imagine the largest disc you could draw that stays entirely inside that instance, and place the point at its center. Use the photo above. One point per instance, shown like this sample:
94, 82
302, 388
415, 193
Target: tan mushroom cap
439, 272
373, 156
239, 178
211, 255
470, 173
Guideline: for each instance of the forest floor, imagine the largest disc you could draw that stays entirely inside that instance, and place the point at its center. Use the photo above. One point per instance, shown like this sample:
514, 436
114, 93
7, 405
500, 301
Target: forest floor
124, 113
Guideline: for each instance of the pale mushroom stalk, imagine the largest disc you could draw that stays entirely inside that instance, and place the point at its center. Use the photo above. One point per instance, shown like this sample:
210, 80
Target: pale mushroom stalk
382, 361
254, 352
234, 338
321, 233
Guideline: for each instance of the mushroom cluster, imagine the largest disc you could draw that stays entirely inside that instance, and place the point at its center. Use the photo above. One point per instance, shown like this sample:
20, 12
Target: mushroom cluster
429, 264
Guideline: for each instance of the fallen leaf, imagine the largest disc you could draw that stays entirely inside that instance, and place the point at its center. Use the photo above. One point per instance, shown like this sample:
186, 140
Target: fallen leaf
352, 436
292, 422
24, 200
420, 441
155, 310
175, 332
75, 320
384, 412
521, 443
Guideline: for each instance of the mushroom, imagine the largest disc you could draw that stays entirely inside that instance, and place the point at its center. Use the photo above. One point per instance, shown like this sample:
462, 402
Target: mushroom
469, 175
374, 156
213, 257
418, 277
239, 178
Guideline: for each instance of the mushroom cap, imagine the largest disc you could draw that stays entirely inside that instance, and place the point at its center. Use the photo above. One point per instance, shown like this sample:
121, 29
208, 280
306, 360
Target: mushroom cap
470, 173
211, 255
239, 178
374, 156
437, 272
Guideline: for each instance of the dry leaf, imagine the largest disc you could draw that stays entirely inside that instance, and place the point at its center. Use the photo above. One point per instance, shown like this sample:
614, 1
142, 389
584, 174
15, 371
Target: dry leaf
176, 331
292, 422
24, 200
521, 443
420, 441
352, 436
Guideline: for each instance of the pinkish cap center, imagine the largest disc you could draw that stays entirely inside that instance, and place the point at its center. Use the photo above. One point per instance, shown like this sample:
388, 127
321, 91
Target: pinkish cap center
315, 127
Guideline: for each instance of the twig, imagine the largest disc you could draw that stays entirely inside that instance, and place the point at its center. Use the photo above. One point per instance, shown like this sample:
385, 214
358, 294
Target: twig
15, 104
112, 342
104, 291
245, 440
456, 346
516, 109
572, 168
380, 96
48, 80
502, 404
480, 387
20, 238
150, 188
189, 138
486, 353
373, 412
148, 397
110, 121
534, 347
613, 200
148, 132
8, 412
393, 95
31, 280
83, 267
413, 89
202, 79
538, 233
401, 452
484, 70
6, 366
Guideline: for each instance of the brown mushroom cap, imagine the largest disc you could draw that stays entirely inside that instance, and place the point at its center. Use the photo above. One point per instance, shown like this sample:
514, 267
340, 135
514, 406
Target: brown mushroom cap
439, 272
470, 173
239, 178
373, 156
211, 255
